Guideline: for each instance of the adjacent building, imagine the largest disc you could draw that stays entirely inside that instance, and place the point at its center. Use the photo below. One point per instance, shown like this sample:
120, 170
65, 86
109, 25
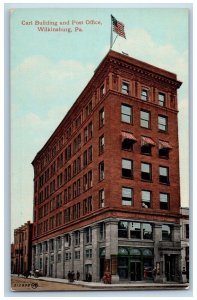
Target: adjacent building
185, 242
22, 249
106, 183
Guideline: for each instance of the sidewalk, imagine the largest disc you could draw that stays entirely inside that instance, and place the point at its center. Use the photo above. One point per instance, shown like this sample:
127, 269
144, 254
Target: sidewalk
126, 285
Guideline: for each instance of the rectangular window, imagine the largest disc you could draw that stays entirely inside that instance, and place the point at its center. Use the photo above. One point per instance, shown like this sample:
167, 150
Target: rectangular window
77, 238
76, 211
88, 253
74, 190
102, 231
146, 171
67, 215
89, 154
161, 99
166, 232
69, 193
164, 152
101, 144
59, 257
123, 229
163, 175
88, 235
90, 130
101, 170
127, 196
69, 173
146, 199
147, 230
135, 230
85, 182
85, 134
164, 201
77, 254
144, 94
85, 159
102, 198
67, 255
162, 123
125, 88
101, 118
127, 168
187, 231
87, 205
102, 90
89, 179
78, 187
144, 119
78, 164
126, 113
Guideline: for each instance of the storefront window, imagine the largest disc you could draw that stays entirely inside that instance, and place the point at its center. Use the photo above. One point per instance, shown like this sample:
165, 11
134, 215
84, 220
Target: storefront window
123, 229
135, 230
123, 267
147, 231
166, 232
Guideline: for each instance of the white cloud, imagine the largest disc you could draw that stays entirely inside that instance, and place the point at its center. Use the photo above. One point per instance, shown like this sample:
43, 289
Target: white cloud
41, 80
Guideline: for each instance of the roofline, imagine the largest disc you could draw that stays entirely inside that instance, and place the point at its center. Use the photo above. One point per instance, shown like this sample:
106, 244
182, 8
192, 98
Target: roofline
115, 55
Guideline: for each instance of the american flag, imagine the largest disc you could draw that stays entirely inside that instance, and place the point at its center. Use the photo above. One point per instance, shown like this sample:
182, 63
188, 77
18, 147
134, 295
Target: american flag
118, 27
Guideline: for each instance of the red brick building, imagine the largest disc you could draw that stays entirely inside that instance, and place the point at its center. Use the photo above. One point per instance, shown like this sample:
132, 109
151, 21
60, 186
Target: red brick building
21, 249
106, 184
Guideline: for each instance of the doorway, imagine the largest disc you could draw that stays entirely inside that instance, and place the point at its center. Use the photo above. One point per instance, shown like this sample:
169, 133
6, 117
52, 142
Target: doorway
170, 270
135, 271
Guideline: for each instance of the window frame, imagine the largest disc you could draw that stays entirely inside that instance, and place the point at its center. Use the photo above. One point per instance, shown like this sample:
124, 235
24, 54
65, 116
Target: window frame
124, 201
101, 171
167, 181
150, 172
147, 203
165, 126
160, 201
130, 115
162, 102
148, 121
101, 117
144, 97
131, 168
125, 91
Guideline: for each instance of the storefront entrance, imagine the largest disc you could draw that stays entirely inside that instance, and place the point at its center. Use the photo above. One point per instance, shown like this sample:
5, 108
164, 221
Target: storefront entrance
135, 264
170, 269
135, 271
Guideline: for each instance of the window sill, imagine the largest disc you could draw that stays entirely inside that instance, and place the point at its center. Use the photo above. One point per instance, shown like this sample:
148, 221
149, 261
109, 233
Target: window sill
163, 157
130, 178
144, 180
162, 131
149, 128
130, 123
164, 183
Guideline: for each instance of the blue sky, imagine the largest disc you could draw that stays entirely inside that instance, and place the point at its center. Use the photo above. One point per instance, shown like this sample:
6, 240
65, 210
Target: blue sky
49, 71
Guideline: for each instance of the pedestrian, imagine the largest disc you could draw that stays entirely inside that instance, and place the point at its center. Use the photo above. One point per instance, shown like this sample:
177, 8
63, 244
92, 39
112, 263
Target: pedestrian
72, 276
78, 275
69, 276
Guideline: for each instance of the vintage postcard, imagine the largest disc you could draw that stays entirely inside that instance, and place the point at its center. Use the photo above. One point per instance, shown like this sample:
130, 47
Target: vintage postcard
99, 149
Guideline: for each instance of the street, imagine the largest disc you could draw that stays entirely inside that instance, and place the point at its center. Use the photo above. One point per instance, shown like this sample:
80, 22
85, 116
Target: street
36, 285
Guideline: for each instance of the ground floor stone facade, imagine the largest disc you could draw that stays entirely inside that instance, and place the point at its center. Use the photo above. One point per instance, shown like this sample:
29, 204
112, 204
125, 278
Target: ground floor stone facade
130, 250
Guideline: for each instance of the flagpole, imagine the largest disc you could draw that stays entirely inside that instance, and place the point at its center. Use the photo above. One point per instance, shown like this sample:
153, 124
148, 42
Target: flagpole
111, 36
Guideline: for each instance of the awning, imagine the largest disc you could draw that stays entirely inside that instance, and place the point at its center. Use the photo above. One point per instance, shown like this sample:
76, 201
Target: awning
128, 136
165, 145
147, 141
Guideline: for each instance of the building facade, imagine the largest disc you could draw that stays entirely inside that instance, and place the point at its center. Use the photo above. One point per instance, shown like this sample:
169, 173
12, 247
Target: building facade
22, 249
106, 183
185, 242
